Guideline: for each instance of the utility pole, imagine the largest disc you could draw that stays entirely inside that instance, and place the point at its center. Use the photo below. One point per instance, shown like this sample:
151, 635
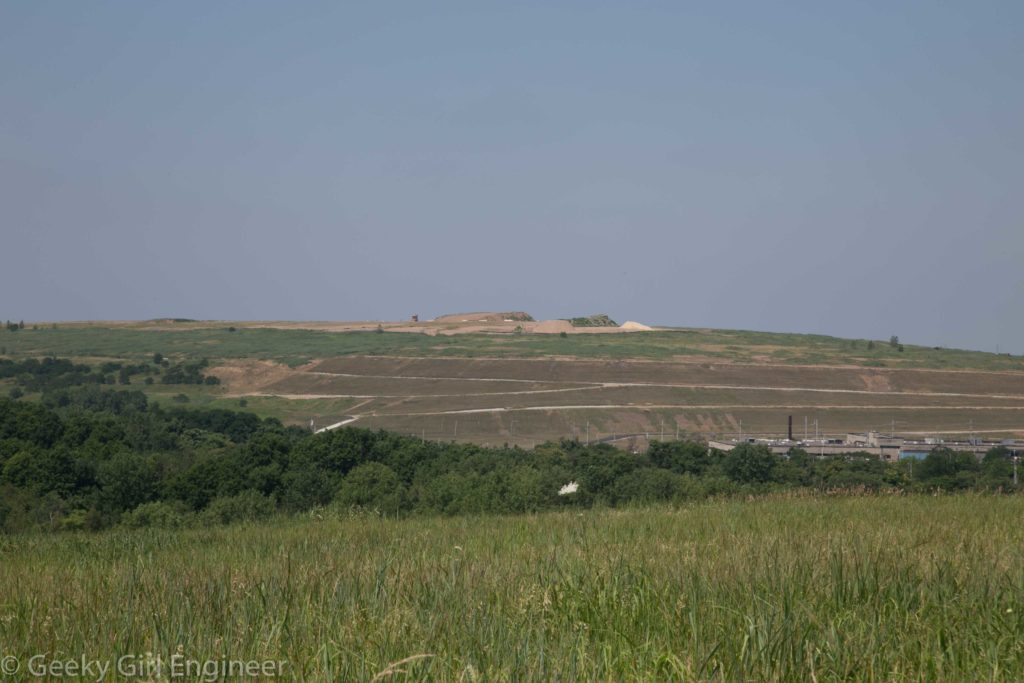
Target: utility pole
588, 432
456, 429
1015, 459
805, 428
662, 428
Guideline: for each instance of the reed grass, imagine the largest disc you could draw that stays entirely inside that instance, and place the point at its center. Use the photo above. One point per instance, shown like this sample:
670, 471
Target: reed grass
787, 588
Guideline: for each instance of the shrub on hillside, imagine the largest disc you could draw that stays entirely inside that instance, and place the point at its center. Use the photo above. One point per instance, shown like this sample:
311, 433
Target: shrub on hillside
248, 506
648, 485
158, 515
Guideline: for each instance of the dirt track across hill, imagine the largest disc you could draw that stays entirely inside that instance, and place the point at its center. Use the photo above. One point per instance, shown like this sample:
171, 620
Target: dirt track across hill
541, 398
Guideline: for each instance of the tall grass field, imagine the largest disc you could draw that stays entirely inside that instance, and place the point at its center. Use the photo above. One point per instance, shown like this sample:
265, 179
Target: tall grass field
887, 588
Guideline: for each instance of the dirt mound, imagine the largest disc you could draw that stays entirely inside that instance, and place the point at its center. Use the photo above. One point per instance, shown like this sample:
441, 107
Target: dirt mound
552, 327
246, 376
634, 326
485, 317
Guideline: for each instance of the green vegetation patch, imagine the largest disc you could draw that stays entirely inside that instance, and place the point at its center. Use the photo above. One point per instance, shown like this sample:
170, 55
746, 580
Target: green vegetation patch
777, 589
598, 320
294, 347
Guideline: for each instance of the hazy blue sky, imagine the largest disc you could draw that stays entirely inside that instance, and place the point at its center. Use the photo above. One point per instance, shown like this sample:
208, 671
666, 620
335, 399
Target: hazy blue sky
850, 168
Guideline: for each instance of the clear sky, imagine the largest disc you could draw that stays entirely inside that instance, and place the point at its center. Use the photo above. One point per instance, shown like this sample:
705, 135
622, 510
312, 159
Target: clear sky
849, 168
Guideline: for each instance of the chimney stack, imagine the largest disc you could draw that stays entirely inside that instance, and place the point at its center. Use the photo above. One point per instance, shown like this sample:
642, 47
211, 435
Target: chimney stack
790, 427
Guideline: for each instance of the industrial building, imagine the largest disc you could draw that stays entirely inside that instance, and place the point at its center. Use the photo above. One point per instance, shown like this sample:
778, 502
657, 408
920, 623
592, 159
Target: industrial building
889, 448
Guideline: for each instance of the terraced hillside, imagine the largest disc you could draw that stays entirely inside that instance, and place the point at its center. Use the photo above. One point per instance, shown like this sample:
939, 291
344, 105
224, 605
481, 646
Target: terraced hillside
526, 388
524, 401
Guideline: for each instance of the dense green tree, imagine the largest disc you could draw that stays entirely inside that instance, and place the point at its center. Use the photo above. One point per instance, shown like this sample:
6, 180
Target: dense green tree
947, 469
305, 487
372, 485
29, 421
454, 493
597, 468
997, 469
527, 489
855, 470
750, 463
648, 485
126, 481
681, 457
42, 471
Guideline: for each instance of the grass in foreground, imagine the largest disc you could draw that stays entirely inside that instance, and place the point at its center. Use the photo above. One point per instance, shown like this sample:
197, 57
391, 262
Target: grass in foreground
872, 588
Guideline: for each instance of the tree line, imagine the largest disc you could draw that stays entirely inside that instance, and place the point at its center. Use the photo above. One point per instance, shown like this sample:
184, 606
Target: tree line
89, 456
48, 374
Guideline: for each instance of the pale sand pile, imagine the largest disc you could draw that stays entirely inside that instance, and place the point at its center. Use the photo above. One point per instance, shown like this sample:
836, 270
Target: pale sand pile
634, 326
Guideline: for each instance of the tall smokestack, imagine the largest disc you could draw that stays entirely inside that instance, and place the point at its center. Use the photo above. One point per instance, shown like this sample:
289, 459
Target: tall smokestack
790, 427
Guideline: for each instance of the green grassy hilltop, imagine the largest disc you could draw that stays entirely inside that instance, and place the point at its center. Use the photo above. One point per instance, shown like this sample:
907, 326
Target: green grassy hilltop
211, 340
